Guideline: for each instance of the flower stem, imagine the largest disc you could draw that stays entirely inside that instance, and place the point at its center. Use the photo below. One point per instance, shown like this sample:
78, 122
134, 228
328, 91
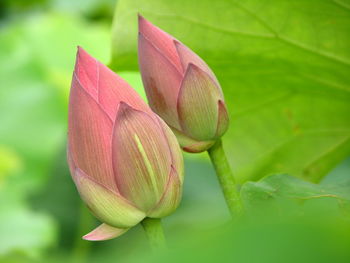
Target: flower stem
154, 231
226, 178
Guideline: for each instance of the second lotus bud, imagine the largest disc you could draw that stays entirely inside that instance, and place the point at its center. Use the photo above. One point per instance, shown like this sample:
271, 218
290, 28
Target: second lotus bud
181, 88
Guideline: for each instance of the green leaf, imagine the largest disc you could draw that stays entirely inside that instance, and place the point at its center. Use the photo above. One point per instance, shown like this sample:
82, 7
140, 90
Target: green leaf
283, 65
23, 230
282, 188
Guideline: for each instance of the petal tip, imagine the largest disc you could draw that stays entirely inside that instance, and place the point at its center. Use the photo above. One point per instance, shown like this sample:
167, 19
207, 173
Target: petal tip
140, 18
86, 71
89, 237
178, 45
142, 23
193, 67
104, 232
82, 55
123, 108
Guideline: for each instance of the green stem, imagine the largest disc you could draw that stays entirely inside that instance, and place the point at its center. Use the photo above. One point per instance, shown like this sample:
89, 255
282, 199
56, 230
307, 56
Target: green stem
154, 231
226, 178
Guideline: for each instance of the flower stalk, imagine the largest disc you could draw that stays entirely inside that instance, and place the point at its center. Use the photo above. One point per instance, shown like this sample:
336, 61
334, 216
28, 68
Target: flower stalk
154, 232
226, 179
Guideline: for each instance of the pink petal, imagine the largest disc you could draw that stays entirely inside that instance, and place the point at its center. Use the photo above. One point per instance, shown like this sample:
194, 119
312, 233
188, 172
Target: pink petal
198, 147
197, 104
161, 81
171, 197
104, 232
187, 56
113, 89
174, 147
190, 145
106, 87
161, 40
223, 119
141, 157
89, 136
106, 205
86, 70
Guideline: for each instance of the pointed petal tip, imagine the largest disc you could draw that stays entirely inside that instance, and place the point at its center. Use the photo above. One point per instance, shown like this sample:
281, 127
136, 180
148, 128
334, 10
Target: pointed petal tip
193, 67
85, 71
89, 237
82, 54
124, 105
124, 108
86, 61
104, 232
143, 22
178, 45
140, 18
176, 42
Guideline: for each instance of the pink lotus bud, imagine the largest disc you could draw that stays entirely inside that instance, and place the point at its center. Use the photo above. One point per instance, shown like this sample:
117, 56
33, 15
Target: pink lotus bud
181, 89
124, 160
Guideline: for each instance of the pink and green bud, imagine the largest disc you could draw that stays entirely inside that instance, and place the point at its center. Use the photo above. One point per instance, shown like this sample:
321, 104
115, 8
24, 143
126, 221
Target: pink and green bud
181, 89
124, 160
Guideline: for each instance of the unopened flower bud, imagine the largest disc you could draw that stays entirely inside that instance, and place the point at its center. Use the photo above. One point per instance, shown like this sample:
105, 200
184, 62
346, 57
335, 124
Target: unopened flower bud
181, 89
124, 160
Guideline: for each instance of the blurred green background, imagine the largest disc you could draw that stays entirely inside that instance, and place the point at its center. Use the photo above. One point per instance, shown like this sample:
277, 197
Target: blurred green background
284, 68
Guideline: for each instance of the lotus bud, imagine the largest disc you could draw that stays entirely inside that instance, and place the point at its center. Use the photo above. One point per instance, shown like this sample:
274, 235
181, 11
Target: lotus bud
181, 89
125, 161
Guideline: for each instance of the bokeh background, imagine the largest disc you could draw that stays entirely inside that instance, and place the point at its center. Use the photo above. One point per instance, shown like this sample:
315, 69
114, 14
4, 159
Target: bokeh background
284, 67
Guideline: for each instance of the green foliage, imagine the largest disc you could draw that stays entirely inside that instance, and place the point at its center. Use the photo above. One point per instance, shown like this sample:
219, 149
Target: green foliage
283, 66
284, 188
35, 68
36, 65
24, 230
287, 220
